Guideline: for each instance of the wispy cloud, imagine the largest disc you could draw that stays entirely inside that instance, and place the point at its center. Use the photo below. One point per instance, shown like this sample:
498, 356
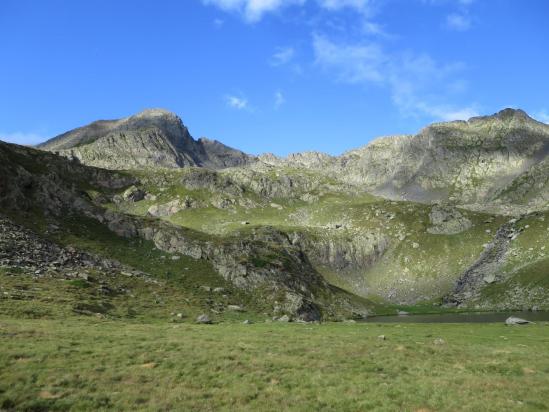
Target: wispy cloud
542, 115
459, 22
235, 102
253, 10
363, 6
282, 55
417, 83
376, 29
279, 99
352, 63
218, 23
22, 138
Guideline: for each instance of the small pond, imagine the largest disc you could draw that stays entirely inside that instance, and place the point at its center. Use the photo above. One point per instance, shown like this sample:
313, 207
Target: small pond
469, 317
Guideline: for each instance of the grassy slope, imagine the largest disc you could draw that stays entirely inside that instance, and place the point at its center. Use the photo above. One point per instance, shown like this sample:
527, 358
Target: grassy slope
176, 285
98, 365
408, 272
527, 269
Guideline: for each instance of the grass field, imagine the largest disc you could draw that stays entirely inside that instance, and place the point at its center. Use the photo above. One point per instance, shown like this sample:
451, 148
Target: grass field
83, 363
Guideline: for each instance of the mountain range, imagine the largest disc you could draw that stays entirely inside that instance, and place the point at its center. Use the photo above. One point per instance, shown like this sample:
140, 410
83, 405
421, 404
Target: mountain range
455, 215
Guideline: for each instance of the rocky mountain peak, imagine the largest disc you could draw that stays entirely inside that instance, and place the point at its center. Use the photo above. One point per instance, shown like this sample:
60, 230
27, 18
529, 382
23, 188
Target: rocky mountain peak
156, 112
507, 115
151, 138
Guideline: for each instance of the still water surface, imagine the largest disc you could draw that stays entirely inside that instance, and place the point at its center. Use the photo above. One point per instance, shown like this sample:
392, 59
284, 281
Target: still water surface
471, 317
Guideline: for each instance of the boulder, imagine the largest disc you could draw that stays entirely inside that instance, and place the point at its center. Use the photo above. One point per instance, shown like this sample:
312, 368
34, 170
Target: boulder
512, 320
447, 220
203, 319
133, 194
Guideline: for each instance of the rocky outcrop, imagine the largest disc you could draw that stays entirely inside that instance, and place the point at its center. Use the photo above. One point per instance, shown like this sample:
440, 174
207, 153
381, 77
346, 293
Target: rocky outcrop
447, 220
341, 251
266, 261
486, 269
152, 138
172, 207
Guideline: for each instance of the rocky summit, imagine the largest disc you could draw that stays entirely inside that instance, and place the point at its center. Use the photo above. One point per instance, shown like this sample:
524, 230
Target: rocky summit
152, 138
454, 216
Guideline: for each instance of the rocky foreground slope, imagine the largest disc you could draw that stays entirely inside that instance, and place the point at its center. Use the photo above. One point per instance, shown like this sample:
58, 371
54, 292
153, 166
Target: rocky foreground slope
457, 215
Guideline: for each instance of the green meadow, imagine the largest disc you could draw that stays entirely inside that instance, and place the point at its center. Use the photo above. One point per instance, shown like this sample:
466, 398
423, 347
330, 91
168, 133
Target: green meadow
94, 364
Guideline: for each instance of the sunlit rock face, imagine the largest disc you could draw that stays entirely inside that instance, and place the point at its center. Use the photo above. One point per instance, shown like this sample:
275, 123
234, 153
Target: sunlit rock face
152, 138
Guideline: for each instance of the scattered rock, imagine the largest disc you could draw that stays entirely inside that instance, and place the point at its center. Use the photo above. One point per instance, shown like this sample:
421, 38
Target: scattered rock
439, 341
133, 194
235, 308
284, 318
490, 278
203, 319
512, 320
247, 322
382, 337
172, 207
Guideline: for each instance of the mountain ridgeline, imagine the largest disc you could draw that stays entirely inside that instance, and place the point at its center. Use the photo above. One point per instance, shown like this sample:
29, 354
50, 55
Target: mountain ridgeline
497, 162
456, 215
152, 138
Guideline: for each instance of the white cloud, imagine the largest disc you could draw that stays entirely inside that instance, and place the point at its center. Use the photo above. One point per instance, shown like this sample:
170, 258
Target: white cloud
360, 5
449, 113
235, 102
352, 63
459, 22
282, 55
218, 23
22, 138
375, 29
417, 84
253, 10
543, 116
279, 99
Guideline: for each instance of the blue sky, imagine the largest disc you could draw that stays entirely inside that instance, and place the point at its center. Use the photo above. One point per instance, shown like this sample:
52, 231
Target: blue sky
270, 75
